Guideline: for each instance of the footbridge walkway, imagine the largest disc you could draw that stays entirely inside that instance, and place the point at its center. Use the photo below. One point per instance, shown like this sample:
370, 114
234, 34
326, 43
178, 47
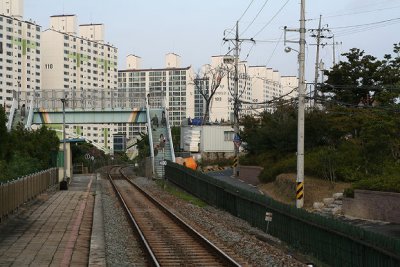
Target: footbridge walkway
93, 106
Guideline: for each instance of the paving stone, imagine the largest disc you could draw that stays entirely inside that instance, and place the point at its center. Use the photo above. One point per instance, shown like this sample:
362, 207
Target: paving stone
48, 230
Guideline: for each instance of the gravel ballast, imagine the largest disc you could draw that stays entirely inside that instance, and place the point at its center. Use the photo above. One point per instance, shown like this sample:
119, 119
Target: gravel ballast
249, 243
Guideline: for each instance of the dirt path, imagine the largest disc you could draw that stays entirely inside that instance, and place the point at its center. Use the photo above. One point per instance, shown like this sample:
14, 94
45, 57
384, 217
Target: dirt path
315, 190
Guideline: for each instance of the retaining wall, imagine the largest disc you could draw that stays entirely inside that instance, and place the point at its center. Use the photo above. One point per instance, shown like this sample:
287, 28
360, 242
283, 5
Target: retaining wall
373, 205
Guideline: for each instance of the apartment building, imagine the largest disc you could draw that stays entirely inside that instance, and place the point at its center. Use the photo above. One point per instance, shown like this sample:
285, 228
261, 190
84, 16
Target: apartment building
78, 60
77, 57
222, 102
266, 87
290, 86
20, 50
174, 81
256, 84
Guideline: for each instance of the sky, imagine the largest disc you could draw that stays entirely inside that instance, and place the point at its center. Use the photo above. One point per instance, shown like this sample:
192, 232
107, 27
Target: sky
195, 29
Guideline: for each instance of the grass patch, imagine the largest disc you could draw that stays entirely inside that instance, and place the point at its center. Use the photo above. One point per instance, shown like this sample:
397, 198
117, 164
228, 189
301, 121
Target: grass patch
179, 193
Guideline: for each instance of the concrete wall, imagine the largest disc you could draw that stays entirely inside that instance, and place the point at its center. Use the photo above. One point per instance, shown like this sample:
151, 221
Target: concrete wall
373, 205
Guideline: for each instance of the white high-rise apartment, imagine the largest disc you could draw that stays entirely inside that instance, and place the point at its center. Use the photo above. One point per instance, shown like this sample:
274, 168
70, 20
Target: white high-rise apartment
72, 61
257, 84
222, 103
290, 86
77, 58
266, 86
176, 82
20, 51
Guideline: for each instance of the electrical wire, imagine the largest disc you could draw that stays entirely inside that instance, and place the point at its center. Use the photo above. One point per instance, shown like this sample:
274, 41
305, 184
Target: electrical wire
246, 10
273, 52
251, 23
276, 14
366, 24
356, 13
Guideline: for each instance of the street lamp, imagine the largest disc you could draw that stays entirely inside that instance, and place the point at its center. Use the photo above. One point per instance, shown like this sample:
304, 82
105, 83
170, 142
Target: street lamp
64, 183
19, 89
162, 93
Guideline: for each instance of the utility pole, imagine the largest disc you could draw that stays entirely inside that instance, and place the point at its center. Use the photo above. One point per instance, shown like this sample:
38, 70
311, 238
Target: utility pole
300, 126
334, 49
334, 53
236, 102
317, 60
236, 139
64, 183
301, 104
318, 36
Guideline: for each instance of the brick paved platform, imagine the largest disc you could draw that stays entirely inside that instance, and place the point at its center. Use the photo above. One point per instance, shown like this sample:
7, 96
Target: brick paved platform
55, 230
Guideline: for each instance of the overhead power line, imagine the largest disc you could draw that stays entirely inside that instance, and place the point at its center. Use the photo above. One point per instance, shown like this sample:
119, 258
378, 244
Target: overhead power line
357, 12
246, 10
276, 14
366, 24
251, 23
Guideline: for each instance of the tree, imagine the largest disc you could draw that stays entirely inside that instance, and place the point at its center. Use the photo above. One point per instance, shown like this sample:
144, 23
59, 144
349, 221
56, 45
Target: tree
206, 83
363, 79
3, 133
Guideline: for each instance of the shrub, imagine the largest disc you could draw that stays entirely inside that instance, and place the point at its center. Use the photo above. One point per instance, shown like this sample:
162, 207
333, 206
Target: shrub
272, 169
388, 181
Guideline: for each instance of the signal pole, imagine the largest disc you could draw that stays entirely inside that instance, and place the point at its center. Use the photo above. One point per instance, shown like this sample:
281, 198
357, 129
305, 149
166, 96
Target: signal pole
236, 42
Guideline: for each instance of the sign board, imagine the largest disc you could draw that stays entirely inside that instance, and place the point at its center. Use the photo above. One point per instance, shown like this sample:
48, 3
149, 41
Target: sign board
163, 162
268, 216
237, 141
87, 156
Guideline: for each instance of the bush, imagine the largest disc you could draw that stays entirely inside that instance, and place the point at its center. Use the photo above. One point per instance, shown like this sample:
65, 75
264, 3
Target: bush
349, 192
343, 163
389, 181
272, 169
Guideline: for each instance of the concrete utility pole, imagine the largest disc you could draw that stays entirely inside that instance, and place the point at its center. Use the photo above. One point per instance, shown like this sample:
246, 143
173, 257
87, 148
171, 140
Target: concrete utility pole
300, 127
318, 36
64, 183
333, 50
236, 140
236, 101
317, 60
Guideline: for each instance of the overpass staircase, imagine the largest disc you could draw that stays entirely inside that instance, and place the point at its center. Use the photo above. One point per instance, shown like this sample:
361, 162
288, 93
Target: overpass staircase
158, 153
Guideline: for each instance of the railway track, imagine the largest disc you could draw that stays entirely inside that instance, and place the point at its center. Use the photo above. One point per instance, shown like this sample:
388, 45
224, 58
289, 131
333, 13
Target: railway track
167, 240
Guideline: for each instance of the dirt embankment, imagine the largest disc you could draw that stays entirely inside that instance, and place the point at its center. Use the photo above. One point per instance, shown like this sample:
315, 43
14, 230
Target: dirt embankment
315, 190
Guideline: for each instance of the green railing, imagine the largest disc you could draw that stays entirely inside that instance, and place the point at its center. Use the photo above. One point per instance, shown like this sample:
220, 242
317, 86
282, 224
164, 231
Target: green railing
329, 240
16, 192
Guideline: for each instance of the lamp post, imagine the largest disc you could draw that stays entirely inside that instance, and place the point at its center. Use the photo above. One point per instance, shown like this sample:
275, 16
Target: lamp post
64, 183
162, 93
19, 89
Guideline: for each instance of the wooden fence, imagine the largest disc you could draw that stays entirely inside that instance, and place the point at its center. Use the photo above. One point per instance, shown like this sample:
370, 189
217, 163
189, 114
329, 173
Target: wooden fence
16, 192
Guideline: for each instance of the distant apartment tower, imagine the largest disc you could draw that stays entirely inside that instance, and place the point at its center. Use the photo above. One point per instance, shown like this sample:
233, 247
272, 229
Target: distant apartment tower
202, 84
222, 102
176, 83
267, 86
76, 58
20, 53
290, 86
12, 8
258, 88
72, 61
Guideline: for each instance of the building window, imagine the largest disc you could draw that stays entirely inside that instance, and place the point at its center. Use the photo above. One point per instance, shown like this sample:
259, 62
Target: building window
228, 135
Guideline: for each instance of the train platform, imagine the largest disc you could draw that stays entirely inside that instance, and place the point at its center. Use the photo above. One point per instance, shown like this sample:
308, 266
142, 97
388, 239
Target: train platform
55, 229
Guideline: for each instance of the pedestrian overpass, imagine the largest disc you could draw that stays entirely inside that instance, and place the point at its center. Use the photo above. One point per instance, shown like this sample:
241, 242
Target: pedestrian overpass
91, 106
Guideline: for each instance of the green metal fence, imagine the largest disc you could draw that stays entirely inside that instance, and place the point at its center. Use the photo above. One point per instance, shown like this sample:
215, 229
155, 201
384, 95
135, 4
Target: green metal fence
16, 192
329, 240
